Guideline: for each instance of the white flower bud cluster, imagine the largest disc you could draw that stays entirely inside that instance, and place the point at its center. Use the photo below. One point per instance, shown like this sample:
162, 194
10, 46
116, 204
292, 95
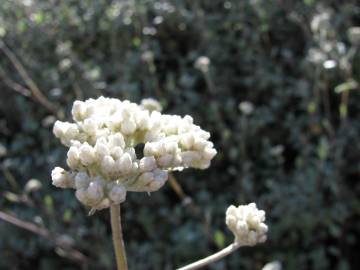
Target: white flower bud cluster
247, 224
96, 192
103, 162
202, 64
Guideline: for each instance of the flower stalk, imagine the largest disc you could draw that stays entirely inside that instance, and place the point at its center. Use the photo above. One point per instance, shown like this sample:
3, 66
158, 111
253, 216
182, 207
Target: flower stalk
212, 258
118, 241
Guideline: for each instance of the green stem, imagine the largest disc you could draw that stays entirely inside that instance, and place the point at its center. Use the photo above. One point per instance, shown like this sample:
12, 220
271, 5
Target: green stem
118, 237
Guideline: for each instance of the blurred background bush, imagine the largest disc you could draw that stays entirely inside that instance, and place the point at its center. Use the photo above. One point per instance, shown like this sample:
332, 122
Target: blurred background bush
274, 81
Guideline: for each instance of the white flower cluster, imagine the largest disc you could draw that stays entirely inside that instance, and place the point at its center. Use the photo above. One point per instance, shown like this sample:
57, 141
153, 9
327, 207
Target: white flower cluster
202, 64
247, 224
118, 146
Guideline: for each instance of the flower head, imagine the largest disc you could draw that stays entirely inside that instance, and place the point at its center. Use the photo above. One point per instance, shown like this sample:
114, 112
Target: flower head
247, 224
118, 146
202, 64
246, 107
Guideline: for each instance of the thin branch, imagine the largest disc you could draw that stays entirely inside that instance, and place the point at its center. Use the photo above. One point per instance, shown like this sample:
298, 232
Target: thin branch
177, 188
186, 199
209, 82
11, 179
212, 258
70, 252
35, 91
24, 224
14, 85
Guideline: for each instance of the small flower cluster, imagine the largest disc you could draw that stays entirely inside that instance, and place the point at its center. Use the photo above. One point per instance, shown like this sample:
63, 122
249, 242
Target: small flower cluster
118, 146
202, 64
247, 224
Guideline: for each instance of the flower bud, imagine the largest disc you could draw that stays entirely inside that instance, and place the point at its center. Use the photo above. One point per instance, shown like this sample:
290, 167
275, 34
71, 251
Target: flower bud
117, 152
78, 110
90, 127
128, 127
125, 163
117, 194
187, 140
147, 164
209, 153
151, 104
82, 180
101, 150
108, 165
73, 157
81, 195
117, 140
165, 161
87, 154
61, 178
95, 192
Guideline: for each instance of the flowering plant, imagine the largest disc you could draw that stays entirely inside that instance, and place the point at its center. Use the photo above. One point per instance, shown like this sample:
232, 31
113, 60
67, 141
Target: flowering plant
118, 146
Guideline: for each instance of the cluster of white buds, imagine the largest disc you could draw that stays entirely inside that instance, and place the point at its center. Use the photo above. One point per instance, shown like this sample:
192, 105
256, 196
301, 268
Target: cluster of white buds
202, 64
118, 146
247, 224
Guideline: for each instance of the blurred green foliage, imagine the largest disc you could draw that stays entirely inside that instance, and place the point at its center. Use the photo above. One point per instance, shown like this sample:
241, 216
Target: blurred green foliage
280, 98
